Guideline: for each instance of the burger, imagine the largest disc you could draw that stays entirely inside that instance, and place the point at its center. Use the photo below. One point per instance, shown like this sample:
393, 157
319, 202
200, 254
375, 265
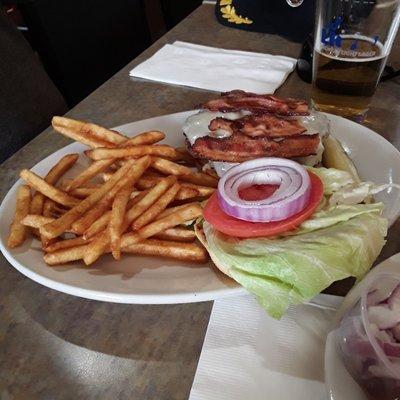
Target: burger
241, 126
290, 215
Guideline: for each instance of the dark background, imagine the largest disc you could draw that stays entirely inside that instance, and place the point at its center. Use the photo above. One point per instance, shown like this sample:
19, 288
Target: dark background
82, 43
54, 53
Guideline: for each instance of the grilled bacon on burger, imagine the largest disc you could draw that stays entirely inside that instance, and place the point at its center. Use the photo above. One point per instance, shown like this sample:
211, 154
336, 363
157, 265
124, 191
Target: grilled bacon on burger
241, 126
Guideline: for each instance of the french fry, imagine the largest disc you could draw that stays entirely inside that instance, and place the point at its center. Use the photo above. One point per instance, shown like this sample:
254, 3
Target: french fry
185, 174
49, 211
79, 131
35, 221
87, 133
18, 231
57, 227
66, 244
37, 202
187, 213
148, 181
65, 251
101, 242
36, 207
132, 151
199, 178
154, 174
83, 223
186, 193
52, 177
157, 208
119, 162
169, 167
65, 255
116, 220
101, 223
105, 134
39, 184
59, 210
211, 172
114, 166
148, 174
141, 179
92, 134
90, 185
97, 247
98, 226
82, 192
144, 182
183, 155
59, 169
136, 196
176, 250
87, 174
144, 138
177, 234
202, 191
170, 249
107, 176
171, 210
52, 209
149, 199
48, 208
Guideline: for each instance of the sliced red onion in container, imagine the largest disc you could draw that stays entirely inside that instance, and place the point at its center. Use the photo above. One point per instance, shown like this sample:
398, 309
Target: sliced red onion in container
290, 198
380, 295
391, 349
383, 316
369, 338
394, 300
396, 332
383, 335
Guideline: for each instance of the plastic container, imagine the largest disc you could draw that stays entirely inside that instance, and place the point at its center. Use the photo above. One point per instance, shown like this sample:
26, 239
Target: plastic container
368, 337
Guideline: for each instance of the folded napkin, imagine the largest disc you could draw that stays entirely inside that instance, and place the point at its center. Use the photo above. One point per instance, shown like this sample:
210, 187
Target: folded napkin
215, 69
248, 355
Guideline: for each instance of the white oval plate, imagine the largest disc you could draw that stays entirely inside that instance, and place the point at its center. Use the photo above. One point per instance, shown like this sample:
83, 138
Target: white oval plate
151, 280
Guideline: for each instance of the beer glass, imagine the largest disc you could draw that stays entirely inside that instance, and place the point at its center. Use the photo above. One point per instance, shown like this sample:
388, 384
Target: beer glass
353, 39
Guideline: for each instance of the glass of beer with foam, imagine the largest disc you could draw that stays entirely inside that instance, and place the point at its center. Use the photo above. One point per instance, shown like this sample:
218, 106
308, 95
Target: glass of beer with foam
353, 39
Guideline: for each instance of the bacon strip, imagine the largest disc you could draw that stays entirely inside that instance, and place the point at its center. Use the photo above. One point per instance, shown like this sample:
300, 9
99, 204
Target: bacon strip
266, 125
222, 123
257, 103
239, 147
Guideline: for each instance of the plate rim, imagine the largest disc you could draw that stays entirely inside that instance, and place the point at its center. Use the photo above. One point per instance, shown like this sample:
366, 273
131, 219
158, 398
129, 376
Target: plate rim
145, 298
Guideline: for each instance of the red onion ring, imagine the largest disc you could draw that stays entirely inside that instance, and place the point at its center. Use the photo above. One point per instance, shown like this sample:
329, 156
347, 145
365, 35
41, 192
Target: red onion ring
290, 198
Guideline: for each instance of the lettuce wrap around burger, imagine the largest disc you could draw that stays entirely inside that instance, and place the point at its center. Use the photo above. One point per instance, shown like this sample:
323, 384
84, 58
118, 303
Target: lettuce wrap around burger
342, 238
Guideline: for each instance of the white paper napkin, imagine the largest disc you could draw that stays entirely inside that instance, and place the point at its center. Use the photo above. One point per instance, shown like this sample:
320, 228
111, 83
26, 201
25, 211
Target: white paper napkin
215, 69
249, 355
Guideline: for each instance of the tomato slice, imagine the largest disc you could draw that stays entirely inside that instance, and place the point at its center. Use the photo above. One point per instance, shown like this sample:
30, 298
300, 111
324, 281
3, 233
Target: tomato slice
231, 226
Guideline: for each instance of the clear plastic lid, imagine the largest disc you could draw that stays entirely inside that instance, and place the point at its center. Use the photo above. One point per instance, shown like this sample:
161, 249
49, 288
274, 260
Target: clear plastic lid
366, 337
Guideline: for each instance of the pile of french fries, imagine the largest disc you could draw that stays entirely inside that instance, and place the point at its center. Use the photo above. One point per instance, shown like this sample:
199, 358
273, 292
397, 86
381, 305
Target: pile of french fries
135, 197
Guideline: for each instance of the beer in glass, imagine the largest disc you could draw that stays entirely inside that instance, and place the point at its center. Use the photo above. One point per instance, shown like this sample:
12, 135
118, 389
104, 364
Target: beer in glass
352, 41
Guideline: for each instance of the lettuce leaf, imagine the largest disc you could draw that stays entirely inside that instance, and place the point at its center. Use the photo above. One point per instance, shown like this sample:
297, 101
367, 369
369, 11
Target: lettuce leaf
358, 192
336, 243
331, 215
344, 189
333, 179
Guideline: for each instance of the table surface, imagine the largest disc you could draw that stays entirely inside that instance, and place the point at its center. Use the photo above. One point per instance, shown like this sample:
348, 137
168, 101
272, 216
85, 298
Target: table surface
56, 346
